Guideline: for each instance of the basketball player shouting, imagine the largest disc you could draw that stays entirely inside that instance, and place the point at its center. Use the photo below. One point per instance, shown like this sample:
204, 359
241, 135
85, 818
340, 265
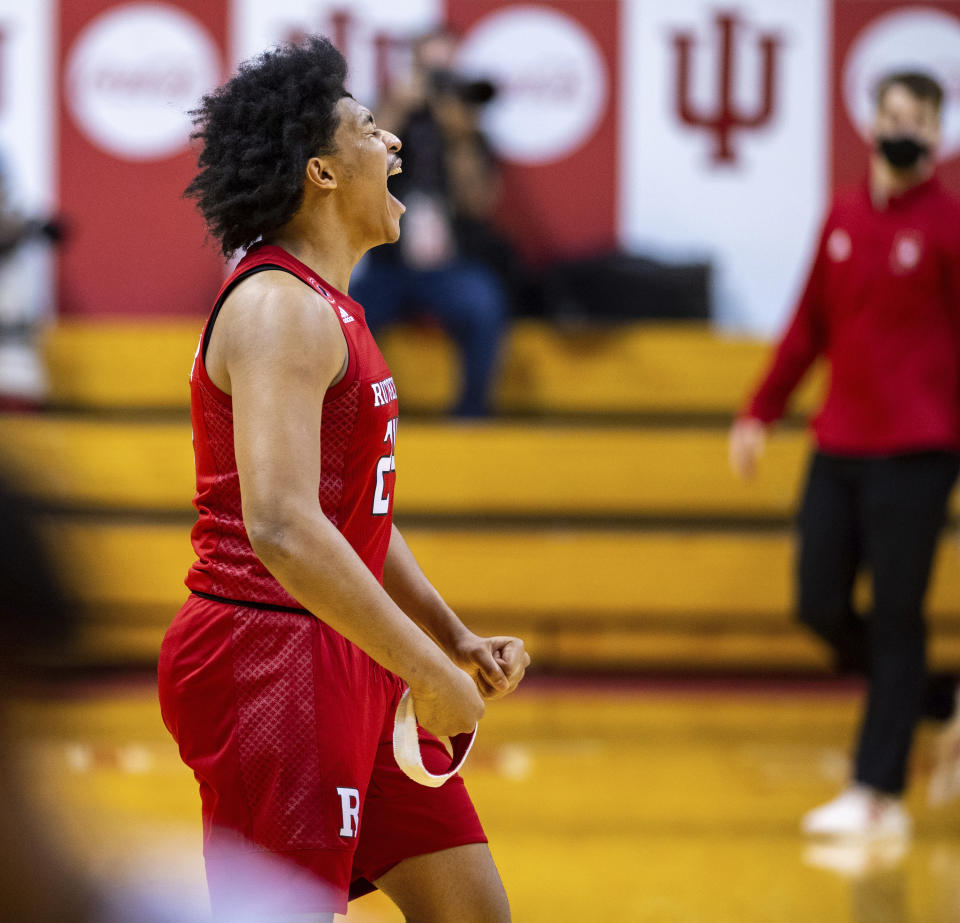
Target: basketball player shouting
281, 675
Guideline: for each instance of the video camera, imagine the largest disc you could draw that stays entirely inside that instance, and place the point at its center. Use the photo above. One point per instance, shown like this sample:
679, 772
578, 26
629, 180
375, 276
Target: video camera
471, 92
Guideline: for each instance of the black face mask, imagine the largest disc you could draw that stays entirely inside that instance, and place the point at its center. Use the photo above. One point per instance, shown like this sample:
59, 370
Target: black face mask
901, 151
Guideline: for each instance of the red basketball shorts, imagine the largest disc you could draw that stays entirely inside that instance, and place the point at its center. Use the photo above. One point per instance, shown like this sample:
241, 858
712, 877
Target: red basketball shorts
288, 727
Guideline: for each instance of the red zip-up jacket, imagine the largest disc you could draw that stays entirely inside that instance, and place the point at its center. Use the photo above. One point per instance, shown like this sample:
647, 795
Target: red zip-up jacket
883, 304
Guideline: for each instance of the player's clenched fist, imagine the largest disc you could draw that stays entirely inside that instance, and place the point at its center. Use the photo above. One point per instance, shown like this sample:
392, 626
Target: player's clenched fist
448, 704
496, 664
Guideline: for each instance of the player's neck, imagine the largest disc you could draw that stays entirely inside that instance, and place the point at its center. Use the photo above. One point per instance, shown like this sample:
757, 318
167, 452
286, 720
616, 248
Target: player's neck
886, 182
320, 242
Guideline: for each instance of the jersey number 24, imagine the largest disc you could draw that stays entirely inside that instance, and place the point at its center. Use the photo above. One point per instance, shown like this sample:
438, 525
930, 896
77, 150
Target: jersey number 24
385, 464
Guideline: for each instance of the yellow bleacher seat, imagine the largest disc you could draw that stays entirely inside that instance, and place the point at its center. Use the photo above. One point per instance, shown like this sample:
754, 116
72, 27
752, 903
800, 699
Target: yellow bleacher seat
143, 365
632, 368
610, 543
558, 573
454, 469
675, 589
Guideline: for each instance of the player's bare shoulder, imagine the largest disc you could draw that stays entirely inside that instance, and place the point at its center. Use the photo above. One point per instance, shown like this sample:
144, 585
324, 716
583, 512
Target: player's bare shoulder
272, 321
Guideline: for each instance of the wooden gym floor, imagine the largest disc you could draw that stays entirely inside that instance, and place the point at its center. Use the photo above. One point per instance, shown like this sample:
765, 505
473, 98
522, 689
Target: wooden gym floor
604, 801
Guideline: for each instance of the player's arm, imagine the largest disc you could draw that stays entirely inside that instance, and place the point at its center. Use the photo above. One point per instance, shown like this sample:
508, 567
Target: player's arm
281, 347
497, 664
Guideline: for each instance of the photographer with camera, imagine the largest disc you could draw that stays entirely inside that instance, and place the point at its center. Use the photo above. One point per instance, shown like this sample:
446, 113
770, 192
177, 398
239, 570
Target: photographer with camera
450, 264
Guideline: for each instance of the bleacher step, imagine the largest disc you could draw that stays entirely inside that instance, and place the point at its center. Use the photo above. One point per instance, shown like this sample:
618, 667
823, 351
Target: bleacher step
637, 368
630, 598
444, 469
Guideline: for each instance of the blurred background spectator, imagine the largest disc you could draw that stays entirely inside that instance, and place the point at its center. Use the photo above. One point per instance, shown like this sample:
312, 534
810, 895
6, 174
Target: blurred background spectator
451, 264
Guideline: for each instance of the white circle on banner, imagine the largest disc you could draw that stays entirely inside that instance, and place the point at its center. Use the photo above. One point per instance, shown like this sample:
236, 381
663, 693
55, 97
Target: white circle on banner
551, 81
134, 73
912, 39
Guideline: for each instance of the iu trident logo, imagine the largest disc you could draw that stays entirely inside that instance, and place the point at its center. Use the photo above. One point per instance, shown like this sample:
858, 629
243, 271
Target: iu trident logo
726, 117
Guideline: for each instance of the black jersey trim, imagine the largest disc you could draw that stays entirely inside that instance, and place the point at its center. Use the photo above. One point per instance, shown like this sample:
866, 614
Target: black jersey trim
252, 271
245, 604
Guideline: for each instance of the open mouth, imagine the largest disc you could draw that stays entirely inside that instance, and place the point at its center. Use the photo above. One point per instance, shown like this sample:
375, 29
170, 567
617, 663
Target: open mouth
396, 167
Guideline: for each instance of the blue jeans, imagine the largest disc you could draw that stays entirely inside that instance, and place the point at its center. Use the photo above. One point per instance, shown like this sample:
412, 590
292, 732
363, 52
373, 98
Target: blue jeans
467, 299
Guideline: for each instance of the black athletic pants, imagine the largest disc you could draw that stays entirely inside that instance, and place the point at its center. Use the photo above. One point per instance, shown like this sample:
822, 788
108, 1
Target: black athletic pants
883, 515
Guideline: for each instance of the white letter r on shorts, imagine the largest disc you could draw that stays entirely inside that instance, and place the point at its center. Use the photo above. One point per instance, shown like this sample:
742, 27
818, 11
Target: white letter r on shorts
350, 808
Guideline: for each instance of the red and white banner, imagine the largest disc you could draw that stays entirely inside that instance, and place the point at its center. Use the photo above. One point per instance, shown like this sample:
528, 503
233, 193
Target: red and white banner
691, 128
874, 37
555, 121
726, 139
128, 75
372, 34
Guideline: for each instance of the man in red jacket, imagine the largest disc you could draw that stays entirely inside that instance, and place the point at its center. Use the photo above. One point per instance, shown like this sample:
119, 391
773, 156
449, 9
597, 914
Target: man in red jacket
882, 303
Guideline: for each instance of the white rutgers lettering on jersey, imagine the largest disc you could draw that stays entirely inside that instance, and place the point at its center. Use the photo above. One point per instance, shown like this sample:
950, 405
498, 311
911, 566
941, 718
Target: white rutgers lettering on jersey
383, 391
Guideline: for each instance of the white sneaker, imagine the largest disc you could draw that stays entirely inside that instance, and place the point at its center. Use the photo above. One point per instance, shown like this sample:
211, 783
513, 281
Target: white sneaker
859, 812
856, 858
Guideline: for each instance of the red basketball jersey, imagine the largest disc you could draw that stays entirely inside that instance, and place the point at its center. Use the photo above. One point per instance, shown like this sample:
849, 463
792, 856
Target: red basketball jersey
357, 436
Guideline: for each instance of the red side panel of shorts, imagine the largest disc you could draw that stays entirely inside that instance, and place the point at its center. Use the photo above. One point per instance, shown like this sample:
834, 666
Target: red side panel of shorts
402, 818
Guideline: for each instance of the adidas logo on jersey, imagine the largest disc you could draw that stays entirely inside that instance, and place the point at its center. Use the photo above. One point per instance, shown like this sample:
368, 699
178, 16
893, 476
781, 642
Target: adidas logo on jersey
346, 318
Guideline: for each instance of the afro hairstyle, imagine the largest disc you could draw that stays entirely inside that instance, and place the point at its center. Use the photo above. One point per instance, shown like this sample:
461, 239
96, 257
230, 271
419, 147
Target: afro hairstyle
257, 133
